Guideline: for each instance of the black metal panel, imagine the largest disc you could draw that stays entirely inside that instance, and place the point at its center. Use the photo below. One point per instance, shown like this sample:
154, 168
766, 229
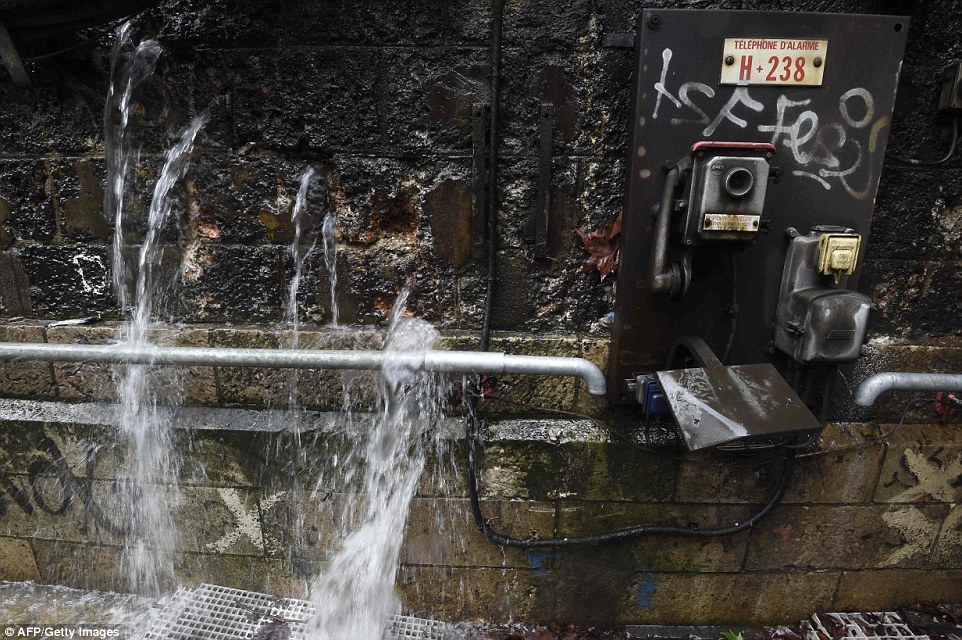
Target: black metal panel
830, 142
717, 405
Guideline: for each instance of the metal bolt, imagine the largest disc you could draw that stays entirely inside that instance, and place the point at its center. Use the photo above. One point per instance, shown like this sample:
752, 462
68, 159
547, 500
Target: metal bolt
654, 22
730, 60
707, 223
817, 62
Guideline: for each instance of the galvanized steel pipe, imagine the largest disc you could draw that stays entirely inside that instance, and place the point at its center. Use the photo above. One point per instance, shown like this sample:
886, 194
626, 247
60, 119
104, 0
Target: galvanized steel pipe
869, 390
436, 361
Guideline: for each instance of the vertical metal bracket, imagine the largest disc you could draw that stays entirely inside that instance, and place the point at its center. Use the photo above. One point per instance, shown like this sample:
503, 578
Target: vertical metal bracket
538, 231
12, 60
479, 173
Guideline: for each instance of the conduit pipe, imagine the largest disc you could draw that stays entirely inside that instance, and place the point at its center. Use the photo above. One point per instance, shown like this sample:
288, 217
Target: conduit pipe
664, 278
434, 361
869, 390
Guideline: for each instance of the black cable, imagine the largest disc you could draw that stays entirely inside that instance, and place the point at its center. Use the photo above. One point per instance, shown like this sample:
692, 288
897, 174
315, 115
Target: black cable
614, 536
58, 52
915, 162
883, 435
494, 141
472, 439
491, 228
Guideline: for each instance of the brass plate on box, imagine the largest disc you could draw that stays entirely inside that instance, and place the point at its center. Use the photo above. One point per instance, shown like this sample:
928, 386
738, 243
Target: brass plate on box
730, 222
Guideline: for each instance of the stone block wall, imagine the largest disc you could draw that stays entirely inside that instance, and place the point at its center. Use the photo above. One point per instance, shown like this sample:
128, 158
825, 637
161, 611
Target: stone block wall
868, 523
378, 98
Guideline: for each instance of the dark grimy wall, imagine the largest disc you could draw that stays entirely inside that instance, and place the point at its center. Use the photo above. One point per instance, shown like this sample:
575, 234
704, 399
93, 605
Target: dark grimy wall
379, 97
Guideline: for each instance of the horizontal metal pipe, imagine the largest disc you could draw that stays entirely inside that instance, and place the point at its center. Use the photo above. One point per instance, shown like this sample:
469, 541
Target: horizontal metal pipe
869, 390
436, 361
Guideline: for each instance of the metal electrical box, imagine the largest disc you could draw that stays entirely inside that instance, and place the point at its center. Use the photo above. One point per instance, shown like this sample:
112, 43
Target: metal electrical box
767, 122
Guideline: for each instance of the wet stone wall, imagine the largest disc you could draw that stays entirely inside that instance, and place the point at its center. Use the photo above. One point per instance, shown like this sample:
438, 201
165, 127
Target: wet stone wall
866, 526
379, 98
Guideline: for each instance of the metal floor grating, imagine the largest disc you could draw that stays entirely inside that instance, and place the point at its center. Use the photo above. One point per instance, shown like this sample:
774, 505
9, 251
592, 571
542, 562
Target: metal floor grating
885, 625
221, 613
410, 628
211, 612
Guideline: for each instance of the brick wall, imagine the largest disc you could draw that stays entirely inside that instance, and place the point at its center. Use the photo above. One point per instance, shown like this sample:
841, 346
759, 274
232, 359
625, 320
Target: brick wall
378, 98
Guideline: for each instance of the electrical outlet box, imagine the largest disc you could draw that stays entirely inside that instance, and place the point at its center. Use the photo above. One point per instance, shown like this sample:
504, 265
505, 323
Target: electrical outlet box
649, 395
728, 185
951, 98
838, 254
818, 89
816, 323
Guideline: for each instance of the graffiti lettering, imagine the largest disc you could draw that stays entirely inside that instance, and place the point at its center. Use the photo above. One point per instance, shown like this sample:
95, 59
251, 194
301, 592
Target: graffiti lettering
823, 150
739, 96
660, 85
51, 487
687, 101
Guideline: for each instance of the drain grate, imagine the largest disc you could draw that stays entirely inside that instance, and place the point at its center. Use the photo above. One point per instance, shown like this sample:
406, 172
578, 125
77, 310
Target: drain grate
886, 625
221, 613
409, 628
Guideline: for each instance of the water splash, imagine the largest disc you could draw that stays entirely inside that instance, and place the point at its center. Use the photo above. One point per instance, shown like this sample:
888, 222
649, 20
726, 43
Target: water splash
128, 72
355, 595
154, 494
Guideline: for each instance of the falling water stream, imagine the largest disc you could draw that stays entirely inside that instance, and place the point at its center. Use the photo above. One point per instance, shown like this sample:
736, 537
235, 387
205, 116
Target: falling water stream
128, 70
354, 595
330, 260
301, 247
154, 465
152, 495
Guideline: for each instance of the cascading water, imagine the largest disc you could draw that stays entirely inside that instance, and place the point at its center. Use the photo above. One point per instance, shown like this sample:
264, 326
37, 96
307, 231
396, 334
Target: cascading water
153, 463
385, 459
330, 260
300, 249
128, 72
354, 596
151, 495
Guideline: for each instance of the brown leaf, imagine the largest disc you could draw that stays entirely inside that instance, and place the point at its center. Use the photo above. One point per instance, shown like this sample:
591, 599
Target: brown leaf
604, 248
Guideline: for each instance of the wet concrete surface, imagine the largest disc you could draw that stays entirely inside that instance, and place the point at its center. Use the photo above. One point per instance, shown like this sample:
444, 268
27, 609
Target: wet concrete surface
30, 604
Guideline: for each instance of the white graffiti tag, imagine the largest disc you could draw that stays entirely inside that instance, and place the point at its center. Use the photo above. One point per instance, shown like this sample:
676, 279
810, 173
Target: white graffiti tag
826, 152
